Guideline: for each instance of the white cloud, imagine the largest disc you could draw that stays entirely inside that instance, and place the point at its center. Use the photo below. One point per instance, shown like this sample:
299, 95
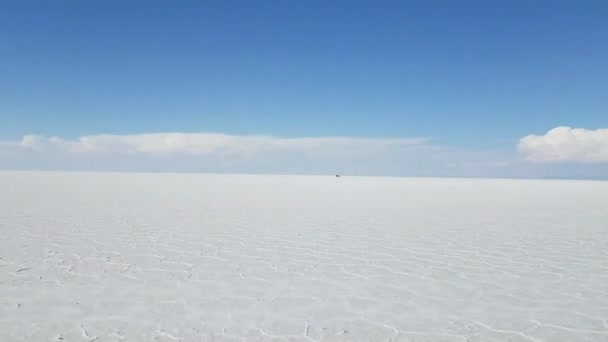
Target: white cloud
220, 153
213, 144
565, 144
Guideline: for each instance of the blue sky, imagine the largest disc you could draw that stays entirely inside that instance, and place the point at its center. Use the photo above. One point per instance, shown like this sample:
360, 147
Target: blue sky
474, 77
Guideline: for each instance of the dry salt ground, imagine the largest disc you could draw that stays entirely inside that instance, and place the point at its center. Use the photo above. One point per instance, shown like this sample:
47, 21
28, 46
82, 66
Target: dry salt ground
149, 257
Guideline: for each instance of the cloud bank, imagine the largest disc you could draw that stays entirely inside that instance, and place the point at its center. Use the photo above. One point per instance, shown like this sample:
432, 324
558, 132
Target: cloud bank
213, 144
565, 144
224, 153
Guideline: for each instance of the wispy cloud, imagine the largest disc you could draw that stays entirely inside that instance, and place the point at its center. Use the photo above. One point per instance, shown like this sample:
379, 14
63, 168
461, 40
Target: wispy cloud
565, 144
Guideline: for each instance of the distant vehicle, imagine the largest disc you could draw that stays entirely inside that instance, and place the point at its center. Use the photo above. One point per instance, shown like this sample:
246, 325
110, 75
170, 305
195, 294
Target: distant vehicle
337, 176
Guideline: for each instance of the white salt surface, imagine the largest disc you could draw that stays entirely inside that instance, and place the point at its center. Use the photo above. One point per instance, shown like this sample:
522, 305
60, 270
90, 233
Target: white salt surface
143, 257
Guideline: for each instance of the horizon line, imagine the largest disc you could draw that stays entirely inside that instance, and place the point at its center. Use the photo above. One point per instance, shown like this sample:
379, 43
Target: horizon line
202, 173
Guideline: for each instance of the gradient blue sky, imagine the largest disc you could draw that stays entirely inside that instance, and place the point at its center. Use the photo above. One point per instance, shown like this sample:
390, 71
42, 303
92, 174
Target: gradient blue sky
475, 76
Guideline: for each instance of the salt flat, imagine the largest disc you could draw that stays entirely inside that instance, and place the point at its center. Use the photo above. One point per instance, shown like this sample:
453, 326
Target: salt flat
183, 257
